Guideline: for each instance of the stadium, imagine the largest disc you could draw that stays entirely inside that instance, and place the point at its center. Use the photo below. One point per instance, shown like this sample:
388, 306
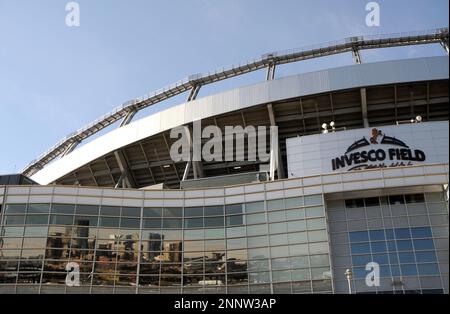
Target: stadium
357, 174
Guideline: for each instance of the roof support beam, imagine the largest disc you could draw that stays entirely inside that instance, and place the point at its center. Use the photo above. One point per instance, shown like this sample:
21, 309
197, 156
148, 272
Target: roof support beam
147, 161
356, 55
126, 179
194, 92
364, 107
70, 149
444, 44
275, 142
127, 119
270, 75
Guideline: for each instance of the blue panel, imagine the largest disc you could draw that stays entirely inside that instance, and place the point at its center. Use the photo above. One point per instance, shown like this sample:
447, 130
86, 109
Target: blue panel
360, 248
423, 232
404, 245
378, 247
406, 257
361, 260
425, 256
360, 236
389, 234
428, 269
409, 270
376, 235
381, 259
424, 244
402, 233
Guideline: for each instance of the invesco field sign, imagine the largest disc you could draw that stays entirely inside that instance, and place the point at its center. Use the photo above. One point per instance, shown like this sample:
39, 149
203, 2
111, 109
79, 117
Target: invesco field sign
368, 148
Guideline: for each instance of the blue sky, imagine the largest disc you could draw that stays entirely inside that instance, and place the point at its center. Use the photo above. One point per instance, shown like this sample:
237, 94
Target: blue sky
55, 79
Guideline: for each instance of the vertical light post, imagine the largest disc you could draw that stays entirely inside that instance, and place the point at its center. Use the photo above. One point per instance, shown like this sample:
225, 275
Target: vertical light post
349, 275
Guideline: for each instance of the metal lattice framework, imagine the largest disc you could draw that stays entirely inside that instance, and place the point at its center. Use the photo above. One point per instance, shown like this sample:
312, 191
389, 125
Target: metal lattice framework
126, 111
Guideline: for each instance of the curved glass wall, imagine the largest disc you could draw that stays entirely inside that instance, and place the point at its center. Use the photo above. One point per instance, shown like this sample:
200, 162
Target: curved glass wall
275, 246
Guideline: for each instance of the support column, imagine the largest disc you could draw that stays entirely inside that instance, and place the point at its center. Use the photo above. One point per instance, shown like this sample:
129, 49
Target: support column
356, 55
276, 160
270, 72
444, 45
69, 149
364, 107
127, 119
126, 179
194, 92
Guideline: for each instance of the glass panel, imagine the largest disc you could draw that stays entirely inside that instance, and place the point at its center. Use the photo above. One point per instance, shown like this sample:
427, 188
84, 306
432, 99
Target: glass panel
193, 222
193, 211
320, 260
256, 218
275, 204
16, 208
87, 210
174, 223
131, 211
130, 223
428, 269
294, 202
354, 203
402, 233
316, 211
110, 211
313, 200
254, 207
408, 270
214, 222
376, 235
360, 248
213, 211
423, 244
86, 221
406, 257
276, 216
14, 231
404, 245
15, 220
315, 223
378, 247
61, 220
425, 256
295, 214
233, 209
38, 208
298, 237
152, 212
236, 232
317, 235
396, 199
415, 198
372, 201
63, 209
172, 212
235, 220
152, 223
36, 231
299, 225
109, 222
424, 232
37, 220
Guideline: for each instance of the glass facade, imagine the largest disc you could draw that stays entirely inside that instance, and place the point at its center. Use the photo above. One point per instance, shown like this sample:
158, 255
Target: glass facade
273, 246
407, 235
